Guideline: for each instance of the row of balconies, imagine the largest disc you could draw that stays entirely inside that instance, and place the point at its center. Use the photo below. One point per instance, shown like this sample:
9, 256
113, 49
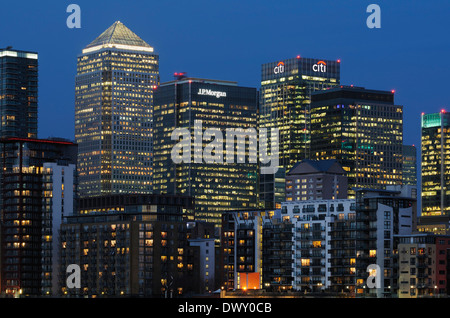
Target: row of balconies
305, 237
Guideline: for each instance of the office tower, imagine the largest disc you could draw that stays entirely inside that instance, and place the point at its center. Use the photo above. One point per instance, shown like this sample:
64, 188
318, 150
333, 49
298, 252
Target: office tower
220, 179
116, 75
18, 93
363, 130
59, 201
435, 173
409, 167
24, 199
131, 246
285, 97
316, 180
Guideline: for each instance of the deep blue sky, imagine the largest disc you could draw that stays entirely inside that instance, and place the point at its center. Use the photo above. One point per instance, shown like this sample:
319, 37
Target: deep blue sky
230, 40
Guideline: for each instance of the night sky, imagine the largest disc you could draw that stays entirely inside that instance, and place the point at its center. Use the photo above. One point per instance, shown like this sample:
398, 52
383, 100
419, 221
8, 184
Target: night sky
229, 40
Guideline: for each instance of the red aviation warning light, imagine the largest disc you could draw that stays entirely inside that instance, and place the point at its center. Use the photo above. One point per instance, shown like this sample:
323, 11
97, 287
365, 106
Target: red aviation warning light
179, 75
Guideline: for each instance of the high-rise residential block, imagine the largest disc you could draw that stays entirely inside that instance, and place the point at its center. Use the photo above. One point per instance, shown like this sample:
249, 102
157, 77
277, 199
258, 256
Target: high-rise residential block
381, 214
320, 246
130, 246
423, 265
28, 203
59, 201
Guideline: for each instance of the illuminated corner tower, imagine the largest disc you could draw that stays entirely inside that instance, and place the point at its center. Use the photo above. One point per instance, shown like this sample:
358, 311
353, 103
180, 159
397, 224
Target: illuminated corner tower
285, 98
116, 75
435, 173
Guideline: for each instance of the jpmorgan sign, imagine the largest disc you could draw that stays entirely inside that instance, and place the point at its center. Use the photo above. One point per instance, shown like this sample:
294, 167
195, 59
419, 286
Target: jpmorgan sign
279, 68
208, 92
320, 66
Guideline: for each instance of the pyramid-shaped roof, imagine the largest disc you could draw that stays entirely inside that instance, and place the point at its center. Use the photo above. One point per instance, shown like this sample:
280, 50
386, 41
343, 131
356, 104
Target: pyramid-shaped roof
118, 36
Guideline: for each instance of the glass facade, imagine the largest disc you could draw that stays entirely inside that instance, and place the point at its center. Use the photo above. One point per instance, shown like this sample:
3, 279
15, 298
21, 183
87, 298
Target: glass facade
409, 169
218, 186
18, 94
286, 89
435, 173
285, 98
363, 130
116, 76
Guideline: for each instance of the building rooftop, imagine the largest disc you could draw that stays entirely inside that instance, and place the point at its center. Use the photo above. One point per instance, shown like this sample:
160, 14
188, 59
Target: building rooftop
314, 166
199, 80
10, 52
118, 36
354, 93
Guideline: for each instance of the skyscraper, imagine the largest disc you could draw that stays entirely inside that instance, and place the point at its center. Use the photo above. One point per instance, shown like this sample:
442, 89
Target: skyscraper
200, 106
363, 130
116, 75
285, 98
286, 88
435, 173
18, 93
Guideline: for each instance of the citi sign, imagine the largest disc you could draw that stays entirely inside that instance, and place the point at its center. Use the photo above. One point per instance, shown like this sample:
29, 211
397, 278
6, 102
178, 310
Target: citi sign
320, 66
279, 68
